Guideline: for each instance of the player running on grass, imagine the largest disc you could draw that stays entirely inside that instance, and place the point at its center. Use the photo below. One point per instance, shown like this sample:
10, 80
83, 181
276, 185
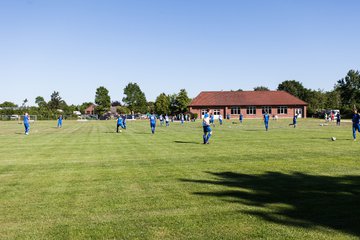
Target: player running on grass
27, 123
206, 127
266, 120
294, 121
152, 123
220, 119
119, 123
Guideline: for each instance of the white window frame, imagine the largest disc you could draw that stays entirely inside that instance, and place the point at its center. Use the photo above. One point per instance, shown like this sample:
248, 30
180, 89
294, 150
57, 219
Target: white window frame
251, 110
282, 110
267, 109
235, 110
216, 112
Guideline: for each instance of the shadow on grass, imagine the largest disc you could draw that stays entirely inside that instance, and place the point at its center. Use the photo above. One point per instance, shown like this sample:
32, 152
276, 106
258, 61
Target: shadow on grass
186, 142
310, 200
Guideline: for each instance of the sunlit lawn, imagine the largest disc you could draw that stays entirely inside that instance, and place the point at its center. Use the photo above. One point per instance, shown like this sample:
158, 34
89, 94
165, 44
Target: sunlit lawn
85, 181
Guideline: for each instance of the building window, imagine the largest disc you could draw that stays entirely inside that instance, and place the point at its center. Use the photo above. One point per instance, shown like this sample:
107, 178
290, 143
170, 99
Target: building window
266, 109
251, 111
235, 110
282, 110
203, 111
216, 111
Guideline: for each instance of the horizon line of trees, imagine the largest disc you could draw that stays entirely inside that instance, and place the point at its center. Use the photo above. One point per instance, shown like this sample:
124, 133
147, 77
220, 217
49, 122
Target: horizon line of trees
344, 96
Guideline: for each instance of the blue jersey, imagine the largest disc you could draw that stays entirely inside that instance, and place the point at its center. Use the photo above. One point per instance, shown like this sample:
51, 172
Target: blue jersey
294, 119
206, 116
266, 118
119, 121
338, 116
152, 120
356, 119
26, 120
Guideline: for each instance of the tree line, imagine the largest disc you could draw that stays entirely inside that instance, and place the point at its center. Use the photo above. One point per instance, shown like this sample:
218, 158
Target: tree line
133, 102
345, 96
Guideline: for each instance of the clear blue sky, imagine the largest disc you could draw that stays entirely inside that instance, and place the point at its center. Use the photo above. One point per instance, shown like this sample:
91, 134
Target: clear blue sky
75, 46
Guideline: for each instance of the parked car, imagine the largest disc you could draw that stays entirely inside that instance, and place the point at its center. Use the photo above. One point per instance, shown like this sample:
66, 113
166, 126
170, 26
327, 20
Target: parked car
14, 117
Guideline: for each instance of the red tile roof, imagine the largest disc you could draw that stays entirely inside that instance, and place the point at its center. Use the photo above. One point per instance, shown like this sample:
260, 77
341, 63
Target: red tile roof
245, 98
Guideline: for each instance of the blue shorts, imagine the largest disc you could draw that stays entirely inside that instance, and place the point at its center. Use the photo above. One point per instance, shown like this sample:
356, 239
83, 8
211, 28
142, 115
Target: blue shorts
206, 129
152, 125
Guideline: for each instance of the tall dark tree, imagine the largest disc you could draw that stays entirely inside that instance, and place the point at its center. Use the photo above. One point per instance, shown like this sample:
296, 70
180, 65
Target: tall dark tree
261, 88
162, 104
293, 87
55, 101
182, 101
135, 99
24, 103
102, 100
349, 88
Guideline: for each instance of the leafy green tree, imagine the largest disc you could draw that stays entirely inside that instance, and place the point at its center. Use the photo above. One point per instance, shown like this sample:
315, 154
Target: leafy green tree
293, 87
102, 99
349, 88
7, 104
333, 100
151, 107
173, 103
162, 104
135, 99
261, 88
40, 101
182, 101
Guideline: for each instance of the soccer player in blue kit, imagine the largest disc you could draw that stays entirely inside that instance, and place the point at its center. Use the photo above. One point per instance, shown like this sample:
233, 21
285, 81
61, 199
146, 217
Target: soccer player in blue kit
27, 123
124, 120
266, 120
60, 118
152, 123
356, 123
206, 127
119, 123
294, 121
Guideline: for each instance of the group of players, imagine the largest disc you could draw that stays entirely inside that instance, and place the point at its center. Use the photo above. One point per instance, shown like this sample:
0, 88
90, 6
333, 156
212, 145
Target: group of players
208, 120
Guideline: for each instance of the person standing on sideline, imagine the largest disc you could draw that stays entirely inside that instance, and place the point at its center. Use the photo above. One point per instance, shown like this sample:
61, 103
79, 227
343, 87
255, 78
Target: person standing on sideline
212, 120
356, 123
60, 119
182, 119
119, 123
266, 121
161, 119
206, 127
27, 123
167, 120
152, 123
338, 119
241, 118
220, 119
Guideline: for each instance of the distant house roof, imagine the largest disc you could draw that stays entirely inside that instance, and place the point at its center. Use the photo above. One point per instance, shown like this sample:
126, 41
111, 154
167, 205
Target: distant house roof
245, 98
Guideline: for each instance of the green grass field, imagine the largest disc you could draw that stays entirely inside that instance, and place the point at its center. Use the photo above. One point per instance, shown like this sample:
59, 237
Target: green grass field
84, 181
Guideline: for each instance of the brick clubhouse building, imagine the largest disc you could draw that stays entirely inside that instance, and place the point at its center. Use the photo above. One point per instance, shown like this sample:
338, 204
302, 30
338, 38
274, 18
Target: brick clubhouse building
252, 104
